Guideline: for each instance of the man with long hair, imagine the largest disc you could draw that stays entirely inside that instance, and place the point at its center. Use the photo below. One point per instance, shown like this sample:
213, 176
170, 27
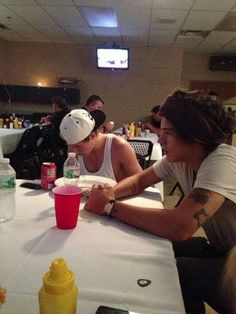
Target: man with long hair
194, 129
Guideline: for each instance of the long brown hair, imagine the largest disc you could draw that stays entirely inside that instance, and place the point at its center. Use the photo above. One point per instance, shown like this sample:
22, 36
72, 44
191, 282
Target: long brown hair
198, 118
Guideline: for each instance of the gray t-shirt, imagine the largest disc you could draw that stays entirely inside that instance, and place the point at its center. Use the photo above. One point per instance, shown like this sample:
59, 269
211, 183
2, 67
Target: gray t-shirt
217, 173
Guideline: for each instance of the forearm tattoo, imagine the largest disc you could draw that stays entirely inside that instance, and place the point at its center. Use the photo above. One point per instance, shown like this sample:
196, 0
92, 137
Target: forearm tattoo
200, 196
134, 189
201, 216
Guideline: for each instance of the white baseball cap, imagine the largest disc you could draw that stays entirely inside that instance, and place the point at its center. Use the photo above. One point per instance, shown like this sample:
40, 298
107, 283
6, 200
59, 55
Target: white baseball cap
79, 123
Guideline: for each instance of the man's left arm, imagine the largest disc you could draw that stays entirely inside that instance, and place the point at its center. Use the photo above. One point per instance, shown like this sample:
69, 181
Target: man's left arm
177, 224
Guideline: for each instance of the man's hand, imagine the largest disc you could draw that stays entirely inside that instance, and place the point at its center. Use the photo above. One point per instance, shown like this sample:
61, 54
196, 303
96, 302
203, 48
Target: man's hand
98, 197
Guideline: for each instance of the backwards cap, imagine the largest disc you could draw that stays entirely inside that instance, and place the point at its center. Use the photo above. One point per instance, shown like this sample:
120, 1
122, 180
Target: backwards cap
79, 123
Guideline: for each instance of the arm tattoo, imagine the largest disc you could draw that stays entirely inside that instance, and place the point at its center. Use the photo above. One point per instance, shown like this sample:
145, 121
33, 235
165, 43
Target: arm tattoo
134, 189
198, 214
199, 196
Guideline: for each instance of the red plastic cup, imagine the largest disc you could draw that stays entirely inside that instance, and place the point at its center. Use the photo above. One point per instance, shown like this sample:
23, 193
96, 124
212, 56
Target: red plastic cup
67, 201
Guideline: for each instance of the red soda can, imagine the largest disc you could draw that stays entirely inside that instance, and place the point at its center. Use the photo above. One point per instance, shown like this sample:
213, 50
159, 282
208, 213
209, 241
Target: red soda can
48, 175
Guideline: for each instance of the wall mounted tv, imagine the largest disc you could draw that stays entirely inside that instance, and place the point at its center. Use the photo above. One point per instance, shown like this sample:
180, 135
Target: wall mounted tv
112, 58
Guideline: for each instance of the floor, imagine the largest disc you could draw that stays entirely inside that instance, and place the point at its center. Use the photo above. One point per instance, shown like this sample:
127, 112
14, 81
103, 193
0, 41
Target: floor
169, 202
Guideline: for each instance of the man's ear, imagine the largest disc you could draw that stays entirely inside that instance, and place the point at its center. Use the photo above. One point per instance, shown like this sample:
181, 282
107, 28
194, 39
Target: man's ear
92, 105
93, 135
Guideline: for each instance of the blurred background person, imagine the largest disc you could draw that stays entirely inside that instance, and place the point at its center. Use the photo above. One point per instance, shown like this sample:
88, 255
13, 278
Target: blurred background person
213, 95
154, 123
108, 127
94, 102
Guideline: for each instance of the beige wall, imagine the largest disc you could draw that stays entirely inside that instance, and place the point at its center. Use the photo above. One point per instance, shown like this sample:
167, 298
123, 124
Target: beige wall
195, 67
128, 95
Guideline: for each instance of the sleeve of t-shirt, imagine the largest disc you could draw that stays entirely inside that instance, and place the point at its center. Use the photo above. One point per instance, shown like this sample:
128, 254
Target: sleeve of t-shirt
217, 173
163, 169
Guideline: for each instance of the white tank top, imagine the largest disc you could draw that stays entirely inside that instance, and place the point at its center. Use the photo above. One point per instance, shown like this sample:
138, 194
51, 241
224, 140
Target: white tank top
106, 169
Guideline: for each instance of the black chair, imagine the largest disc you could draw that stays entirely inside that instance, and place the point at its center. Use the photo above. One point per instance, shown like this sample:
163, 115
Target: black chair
25, 159
143, 150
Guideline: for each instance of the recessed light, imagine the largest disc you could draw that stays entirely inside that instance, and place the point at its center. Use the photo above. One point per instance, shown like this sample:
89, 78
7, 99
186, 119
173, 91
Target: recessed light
99, 16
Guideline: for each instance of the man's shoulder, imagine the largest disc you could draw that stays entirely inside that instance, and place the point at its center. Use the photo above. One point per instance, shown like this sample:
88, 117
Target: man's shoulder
118, 142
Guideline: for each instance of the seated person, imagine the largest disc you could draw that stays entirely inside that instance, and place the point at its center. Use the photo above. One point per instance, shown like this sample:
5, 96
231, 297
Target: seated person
57, 146
193, 131
108, 127
98, 154
213, 95
154, 122
94, 102
60, 109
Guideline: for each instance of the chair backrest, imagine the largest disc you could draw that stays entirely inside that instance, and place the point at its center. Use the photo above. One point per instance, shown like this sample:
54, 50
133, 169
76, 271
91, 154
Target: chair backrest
27, 146
52, 148
25, 159
143, 150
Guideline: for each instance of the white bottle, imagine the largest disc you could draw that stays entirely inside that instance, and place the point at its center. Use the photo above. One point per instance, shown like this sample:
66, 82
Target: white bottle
7, 190
71, 170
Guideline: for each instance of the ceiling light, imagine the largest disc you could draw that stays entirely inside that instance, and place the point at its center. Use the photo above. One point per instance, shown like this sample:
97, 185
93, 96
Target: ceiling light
193, 33
165, 21
99, 16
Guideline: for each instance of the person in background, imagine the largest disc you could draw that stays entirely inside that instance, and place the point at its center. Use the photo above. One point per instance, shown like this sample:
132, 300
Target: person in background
213, 95
108, 127
60, 109
193, 131
52, 146
154, 122
229, 281
94, 102
98, 154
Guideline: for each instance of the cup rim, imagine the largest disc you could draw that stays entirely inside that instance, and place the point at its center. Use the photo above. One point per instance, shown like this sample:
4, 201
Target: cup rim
63, 190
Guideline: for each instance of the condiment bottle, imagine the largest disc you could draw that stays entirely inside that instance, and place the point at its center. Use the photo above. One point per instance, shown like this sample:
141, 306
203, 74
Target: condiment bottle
138, 129
59, 293
132, 129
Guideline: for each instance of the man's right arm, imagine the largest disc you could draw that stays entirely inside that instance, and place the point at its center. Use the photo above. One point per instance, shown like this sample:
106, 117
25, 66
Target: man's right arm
136, 184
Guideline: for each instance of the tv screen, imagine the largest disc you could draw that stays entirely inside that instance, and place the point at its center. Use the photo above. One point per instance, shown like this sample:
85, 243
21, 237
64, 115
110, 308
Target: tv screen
113, 58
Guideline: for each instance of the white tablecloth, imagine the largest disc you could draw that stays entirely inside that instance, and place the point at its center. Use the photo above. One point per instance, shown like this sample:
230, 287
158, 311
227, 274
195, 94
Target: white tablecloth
107, 257
9, 139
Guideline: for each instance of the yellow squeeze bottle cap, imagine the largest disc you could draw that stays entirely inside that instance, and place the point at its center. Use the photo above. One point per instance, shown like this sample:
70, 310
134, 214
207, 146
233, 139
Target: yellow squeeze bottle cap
59, 279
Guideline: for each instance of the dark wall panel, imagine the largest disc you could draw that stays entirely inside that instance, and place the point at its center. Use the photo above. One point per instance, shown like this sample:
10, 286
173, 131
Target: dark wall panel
38, 95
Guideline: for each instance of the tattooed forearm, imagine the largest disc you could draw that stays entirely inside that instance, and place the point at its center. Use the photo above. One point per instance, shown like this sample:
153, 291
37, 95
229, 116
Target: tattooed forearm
201, 216
134, 189
199, 196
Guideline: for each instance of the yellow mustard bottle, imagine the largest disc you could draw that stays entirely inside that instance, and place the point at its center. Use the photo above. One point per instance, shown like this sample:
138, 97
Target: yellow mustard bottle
59, 293
132, 129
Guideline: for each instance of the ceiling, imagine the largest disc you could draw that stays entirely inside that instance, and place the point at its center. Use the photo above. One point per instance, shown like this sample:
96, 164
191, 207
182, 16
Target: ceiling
151, 23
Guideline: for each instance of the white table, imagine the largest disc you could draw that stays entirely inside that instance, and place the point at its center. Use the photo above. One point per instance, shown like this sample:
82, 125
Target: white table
9, 139
107, 257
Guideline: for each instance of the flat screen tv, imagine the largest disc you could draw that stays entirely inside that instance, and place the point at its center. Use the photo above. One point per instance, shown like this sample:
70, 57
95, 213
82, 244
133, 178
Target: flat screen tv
113, 58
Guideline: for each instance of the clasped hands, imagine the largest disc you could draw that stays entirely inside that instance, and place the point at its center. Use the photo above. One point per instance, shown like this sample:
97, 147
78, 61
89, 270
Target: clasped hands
98, 198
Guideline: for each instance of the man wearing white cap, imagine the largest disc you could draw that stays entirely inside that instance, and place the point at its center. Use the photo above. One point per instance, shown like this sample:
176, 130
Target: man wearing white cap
99, 154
